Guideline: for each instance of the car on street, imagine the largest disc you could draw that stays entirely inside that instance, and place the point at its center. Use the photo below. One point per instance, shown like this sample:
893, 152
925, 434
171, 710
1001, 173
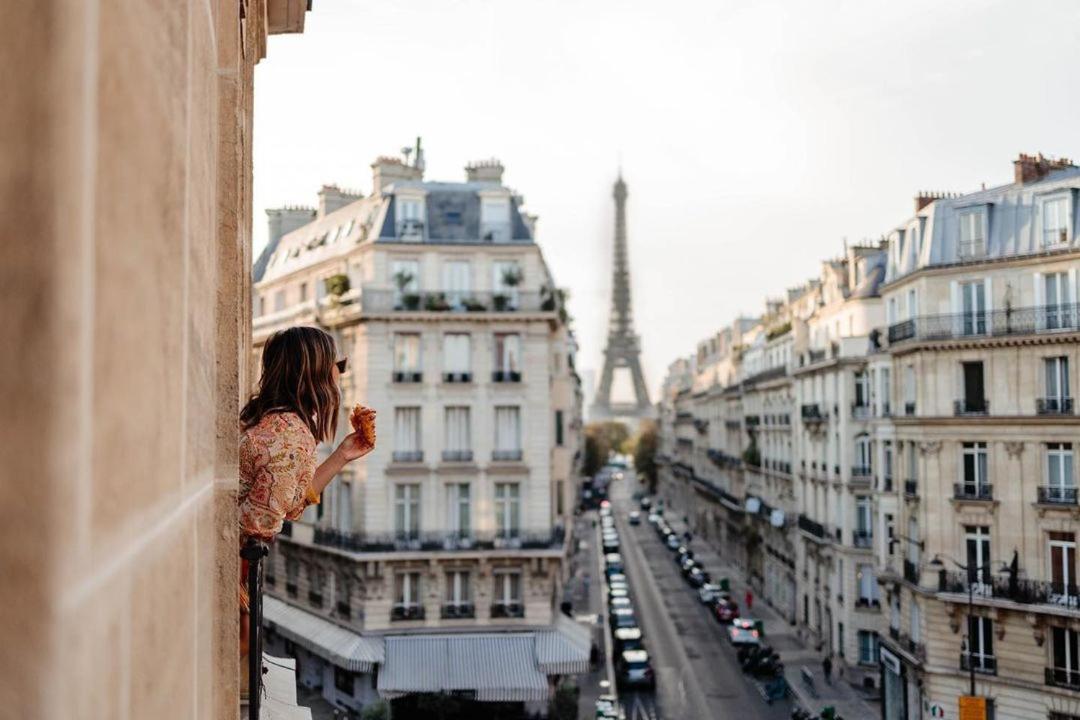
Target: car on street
627, 639
634, 517
697, 577
610, 544
619, 602
618, 591
645, 503
653, 518
683, 552
672, 541
616, 578
623, 618
607, 707
726, 610
687, 565
634, 669
709, 593
740, 635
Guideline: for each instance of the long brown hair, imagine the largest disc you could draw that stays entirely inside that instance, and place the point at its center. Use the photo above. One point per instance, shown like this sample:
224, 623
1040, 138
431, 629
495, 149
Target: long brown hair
298, 376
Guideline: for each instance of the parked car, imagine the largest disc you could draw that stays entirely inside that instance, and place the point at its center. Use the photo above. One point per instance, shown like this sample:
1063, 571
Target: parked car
726, 611
687, 565
608, 708
709, 593
683, 552
634, 517
620, 601
740, 635
627, 639
616, 578
622, 618
653, 518
618, 591
610, 544
672, 541
634, 669
697, 577
645, 503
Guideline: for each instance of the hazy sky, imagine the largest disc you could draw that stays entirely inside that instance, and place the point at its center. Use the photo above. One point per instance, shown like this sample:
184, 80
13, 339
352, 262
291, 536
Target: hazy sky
754, 136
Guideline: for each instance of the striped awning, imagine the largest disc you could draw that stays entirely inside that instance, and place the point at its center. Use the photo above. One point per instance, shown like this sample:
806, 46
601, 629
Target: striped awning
490, 667
345, 648
565, 649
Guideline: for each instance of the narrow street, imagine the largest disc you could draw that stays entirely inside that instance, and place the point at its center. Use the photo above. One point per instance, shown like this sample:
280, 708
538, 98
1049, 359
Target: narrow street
697, 673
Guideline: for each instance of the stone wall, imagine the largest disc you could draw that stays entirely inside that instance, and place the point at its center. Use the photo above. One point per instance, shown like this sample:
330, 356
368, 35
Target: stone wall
125, 181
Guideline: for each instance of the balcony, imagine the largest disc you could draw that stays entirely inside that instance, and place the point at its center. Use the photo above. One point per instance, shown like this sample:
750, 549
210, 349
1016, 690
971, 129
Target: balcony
909, 409
1054, 406
1068, 678
911, 572
1004, 587
408, 376
812, 527
860, 411
886, 409
861, 474
971, 406
722, 459
868, 603
444, 541
983, 664
460, 377
999, 323
752, 421
812, 413
506, 376
457, 456
512, 609
407, 456
911, 488
862, 539
1057, 495
406, 611
506, 455
457, 610
973, 491
373, 300
887, 484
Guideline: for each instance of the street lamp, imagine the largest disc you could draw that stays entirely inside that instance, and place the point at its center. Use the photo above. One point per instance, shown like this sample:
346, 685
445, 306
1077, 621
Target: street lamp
972, 572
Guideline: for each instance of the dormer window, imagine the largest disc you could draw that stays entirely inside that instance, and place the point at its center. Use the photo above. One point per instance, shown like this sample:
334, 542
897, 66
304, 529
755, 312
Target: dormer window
495, 219
972, 234
1055, 221
410, 219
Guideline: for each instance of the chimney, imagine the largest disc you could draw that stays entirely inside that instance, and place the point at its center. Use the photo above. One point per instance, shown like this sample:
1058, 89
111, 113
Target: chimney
331, 197
283, 221
1030, 168
925, 198
484, 171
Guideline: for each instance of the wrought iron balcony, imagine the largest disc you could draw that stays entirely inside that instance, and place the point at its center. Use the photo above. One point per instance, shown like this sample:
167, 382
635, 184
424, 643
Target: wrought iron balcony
860, 411
998, 323
459, 377
865, 602
973, 491
812, 527
984, 664
407, 611
506, 376
862, 538
861, 473
1063, 677
753, 420
408, 376
453, 301
1054, 406
408, 456
447, 541
1057, 495
1005, 587
458, 610
507, 455
457, 455
911, 572
909, 408
971, 406
911, 488
507, 610
812, 413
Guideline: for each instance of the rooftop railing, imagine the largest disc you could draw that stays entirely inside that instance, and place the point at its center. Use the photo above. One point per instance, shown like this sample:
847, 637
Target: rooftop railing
446, 541
996, 323
454, 301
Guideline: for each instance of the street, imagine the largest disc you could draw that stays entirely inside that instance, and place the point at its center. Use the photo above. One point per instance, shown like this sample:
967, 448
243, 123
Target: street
697, 673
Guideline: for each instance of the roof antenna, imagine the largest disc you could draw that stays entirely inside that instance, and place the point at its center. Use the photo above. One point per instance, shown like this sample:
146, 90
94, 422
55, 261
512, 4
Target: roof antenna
419, 163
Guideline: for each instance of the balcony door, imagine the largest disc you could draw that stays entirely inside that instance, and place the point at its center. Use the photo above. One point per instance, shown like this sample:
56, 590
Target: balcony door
459, 510
981, 643
457, 282
973, 308
1060, 481
978, 558
974, 387
975, 481
1057, 383
1063, 582
1066, 649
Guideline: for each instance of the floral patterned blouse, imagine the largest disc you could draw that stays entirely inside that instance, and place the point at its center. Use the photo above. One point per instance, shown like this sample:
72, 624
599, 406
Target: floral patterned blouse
277, 467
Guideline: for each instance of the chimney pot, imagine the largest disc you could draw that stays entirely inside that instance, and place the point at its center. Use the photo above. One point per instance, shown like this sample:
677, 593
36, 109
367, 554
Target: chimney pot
1031, 168
484, 171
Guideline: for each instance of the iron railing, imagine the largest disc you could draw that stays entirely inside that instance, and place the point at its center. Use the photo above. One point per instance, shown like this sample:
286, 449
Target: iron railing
812, 413
983, 664
1063, 677
860, 411
407, 611
971, 406
911, 488
811, 526
1057, 495
454, 301
506, 376
458, 377
862, 538
1007, 587
451, 610
457, 455
1010, 321
862, 472
506, 455
1054, 406
254, 552
447, 541
909, 408
507, 610
973, 491
408, 376
408, 456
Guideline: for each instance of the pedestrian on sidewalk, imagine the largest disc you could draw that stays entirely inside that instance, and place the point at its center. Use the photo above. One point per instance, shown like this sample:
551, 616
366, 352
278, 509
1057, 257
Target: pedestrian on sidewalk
826, 667
749, 600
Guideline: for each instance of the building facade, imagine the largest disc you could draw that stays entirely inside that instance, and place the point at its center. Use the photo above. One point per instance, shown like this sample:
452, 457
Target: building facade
932, 440
456, 525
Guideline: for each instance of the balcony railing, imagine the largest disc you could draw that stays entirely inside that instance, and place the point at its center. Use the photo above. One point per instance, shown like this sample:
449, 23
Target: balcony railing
506, 455
722, 459
458, 377
254, 554
1057, 495
865, 602
408, 456
861, 472
1010, 321
810, 526
973, 491
457, 455
909, 408
451, 610
453, 301
862, 538
812, 413
1005, 587
507, 610
506, 376
753, 420
911, 572
984, 664
408, 376
407, 611
1063, 677
971, 406
911, 488
860, 411
447, 541
1054, 406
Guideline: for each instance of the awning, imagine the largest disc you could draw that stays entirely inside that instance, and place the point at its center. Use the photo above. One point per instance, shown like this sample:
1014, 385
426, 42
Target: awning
491, 667
564, 650
345, 648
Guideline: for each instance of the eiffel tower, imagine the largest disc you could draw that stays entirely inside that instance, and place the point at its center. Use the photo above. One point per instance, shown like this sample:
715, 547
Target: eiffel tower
623, 345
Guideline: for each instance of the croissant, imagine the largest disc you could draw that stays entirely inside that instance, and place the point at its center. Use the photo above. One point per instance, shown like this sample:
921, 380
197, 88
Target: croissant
362, 420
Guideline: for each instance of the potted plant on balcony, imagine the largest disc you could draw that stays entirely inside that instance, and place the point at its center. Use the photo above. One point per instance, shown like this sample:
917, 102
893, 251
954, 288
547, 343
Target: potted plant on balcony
407, 300
473, 305
336, 285
436, 302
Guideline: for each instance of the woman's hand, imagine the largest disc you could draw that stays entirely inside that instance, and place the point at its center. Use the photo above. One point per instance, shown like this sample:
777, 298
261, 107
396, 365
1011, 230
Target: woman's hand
355, 446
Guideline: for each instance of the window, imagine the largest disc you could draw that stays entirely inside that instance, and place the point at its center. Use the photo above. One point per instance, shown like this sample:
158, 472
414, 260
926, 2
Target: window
458, 434
407, 357
890, 310
914, 549
407, 444
457, 282
458, 591
457, 357
407, 512
459, 507
1056, 372
506, 277
507, 357
262, 305
974, 468
507, 433
341, 503
973, 308
407, 589
303, 292
1055, 221
405, 274
972, 234
495, 219
887, 474
868, 643
862, 390
1066, 657
909, 390
916, 623
885, 393
507, 510
980, 643
912, 304
410, 221
279, 301
1056, 294
1060, 482
507, 587
974, 398
863, 454
978, 557
559, 490
1063, 580
559, 428
868, 587
840, 639
343, 680
864, 517
894, 613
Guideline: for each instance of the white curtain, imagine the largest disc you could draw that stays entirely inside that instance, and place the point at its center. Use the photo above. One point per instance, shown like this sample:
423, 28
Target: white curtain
507, 428
407, 509
407, 352
508, 352
457, 353
407, 429
458, 436
459, 508
457, 280
507, 508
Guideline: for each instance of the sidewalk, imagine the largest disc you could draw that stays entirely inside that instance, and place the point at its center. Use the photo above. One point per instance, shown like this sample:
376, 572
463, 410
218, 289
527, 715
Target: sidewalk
782, 636
584, 591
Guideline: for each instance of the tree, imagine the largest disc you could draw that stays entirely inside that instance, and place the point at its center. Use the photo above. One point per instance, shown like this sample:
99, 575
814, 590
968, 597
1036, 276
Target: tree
645, 444
601, 439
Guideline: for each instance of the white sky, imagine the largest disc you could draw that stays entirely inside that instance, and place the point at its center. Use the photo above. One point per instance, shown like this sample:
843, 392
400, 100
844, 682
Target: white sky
754, 136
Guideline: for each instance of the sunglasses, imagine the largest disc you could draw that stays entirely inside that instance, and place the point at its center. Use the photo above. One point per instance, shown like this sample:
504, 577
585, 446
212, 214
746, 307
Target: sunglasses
342, 365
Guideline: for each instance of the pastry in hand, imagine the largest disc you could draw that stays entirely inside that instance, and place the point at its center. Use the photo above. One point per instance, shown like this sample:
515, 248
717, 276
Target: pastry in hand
362, 420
